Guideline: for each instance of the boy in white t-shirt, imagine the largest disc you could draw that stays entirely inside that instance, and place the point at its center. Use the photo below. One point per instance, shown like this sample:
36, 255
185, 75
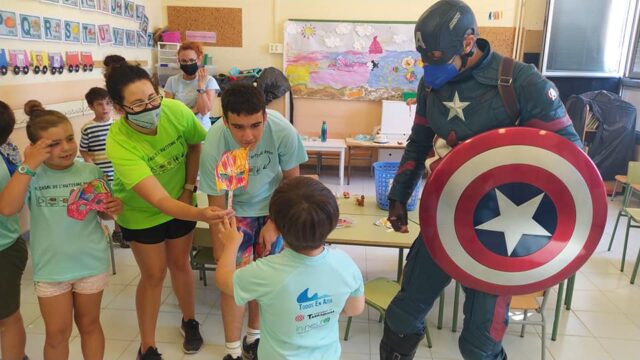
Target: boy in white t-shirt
303, 290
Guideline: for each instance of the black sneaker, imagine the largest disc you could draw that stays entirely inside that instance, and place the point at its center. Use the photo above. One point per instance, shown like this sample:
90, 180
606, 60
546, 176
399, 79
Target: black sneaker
192, 343
151, 354
116, 238
250, 351
229, 357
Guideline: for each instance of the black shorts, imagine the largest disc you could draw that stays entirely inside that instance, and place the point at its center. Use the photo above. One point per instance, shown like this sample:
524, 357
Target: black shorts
12, 263
172, 229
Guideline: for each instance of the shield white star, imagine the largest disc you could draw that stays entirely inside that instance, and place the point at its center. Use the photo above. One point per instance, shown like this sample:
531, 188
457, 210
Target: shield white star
515, 221
455, 107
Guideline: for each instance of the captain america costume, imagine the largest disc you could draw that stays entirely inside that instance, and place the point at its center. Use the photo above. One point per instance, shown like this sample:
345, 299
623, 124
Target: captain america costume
467, 105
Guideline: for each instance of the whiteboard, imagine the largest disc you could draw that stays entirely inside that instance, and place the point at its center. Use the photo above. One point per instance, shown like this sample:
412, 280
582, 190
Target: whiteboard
397, 117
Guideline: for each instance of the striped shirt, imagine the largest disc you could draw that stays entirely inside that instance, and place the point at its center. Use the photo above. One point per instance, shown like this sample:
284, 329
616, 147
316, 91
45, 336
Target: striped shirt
93, 140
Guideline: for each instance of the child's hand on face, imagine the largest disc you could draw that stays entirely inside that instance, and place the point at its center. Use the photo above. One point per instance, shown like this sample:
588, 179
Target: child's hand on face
229, 231
113, 206
36, 154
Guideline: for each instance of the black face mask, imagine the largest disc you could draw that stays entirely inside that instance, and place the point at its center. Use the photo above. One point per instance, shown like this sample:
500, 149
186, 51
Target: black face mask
189, 69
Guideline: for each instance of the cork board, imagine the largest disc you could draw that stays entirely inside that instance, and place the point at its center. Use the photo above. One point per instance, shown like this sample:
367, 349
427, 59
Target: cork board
501, 38
225, 22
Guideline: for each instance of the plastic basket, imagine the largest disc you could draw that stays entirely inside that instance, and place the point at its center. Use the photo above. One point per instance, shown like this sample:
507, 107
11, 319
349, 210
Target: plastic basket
383, 174
171, 37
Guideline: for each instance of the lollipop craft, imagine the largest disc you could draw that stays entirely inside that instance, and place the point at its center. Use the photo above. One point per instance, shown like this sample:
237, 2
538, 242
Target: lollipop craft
87, 197
232, 172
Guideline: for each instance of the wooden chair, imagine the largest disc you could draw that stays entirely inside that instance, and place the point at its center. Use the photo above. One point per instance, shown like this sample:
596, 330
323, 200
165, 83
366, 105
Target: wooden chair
530, 303
378, 294
633, 179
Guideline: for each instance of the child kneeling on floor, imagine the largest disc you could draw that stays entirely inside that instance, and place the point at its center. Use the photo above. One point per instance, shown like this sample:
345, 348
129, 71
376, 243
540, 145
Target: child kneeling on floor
303, 290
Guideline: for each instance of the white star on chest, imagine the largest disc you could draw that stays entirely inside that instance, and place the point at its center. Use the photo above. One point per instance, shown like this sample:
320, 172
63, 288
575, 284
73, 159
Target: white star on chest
515, 221
455, 107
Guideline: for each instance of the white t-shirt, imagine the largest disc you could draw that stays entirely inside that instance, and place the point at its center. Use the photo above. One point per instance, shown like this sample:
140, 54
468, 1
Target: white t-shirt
186, 92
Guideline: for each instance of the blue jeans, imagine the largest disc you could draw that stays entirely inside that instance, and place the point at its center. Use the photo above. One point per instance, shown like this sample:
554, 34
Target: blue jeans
485, 316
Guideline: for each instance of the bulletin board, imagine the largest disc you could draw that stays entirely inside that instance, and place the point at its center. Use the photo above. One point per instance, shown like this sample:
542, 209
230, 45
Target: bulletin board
225, 22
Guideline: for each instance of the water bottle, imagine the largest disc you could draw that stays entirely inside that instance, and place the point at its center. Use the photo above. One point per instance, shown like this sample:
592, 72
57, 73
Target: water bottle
323, 132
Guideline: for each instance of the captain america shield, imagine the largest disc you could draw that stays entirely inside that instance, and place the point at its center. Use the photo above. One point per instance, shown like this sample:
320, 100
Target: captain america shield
513, 211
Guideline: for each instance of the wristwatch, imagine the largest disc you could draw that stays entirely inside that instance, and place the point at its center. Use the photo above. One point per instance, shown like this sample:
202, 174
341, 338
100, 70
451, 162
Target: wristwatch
191, 187
24, 169
201, 91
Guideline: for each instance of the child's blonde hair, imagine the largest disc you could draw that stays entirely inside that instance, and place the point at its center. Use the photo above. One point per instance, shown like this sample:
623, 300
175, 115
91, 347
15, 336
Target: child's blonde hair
41, 119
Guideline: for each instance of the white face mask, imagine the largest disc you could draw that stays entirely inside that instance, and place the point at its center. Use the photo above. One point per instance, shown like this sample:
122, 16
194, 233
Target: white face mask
147, 118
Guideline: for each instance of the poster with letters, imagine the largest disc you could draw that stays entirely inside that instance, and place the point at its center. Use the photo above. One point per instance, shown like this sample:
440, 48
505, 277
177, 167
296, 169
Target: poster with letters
30, 27
71, 31
129, 9
144, 24
89, 34
130, 38
71, 3
139, 12
88, 4
52, 29
118, 36
116, 7
150, 40
104, 34
141, 39
104, 6
8, 24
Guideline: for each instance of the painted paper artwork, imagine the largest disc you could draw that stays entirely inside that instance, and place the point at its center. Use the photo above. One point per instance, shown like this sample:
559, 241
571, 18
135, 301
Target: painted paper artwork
52, 29
8, 24
351, 60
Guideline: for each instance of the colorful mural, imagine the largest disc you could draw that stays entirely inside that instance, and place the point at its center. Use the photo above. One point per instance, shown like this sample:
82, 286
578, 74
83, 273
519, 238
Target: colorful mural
351, 61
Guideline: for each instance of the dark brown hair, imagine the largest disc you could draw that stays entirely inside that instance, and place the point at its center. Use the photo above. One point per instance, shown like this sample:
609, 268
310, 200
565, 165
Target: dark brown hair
242, 99
118, 77
96, 94
7, 122
190, 45
304, 212
41, 119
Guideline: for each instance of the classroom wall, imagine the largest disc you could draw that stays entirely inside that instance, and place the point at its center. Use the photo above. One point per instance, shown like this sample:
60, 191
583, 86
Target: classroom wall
263, 23
15, 90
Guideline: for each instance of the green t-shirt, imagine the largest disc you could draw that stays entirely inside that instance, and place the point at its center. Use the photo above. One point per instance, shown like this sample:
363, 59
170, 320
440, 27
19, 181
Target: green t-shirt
136, 156
63, 248
9, 225
280, 149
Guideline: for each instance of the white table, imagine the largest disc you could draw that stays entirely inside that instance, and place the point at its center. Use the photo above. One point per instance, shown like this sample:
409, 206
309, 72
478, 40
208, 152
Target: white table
331, 145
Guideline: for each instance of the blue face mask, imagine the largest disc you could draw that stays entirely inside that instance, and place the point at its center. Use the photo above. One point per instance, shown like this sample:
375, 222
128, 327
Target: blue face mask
147, 119
435, 76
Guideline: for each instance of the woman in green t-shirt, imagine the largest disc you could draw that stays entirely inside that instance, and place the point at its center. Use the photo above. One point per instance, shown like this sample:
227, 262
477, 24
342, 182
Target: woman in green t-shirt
155, 149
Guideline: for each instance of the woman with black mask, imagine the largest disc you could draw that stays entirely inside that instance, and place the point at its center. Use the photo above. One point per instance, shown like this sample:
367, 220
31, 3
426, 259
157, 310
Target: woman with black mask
194, 87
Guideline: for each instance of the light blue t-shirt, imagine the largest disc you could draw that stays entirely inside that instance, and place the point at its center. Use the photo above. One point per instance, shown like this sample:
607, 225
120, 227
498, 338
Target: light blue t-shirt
9, 225
63, 248
280, 149
300, 300
185, 91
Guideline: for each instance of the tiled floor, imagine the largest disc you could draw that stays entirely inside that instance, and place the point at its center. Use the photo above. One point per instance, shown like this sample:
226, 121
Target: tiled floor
604, 322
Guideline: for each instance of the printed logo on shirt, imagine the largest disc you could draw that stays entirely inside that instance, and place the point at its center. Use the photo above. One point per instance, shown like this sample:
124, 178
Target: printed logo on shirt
309, 302
552, 94
53, 201
301, 329
259, 162
159, 163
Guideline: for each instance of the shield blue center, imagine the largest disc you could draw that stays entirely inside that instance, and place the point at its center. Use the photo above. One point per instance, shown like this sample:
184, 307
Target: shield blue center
519, 193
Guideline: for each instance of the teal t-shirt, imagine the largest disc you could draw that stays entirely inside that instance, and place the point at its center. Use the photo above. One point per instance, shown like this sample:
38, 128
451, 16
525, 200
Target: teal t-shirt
300, 300
135, 156
9, 225
280, 149
63, 248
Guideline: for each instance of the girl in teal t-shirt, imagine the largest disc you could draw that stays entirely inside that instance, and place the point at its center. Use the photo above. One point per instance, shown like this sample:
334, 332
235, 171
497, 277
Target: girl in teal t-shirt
70, 257
13, 250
